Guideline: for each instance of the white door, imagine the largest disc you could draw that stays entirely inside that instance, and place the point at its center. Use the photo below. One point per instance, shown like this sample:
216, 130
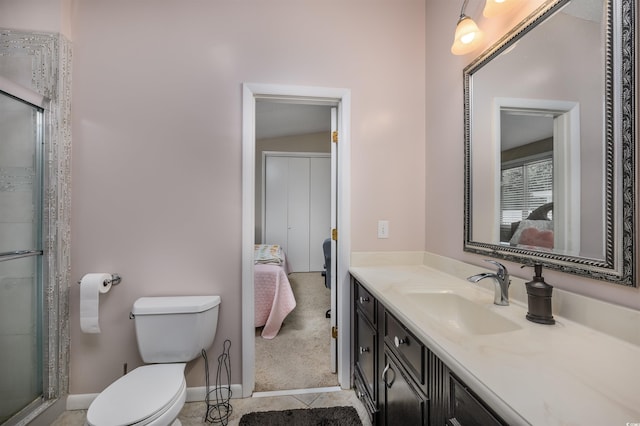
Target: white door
334, 225
319, 209
276, 217
298, 213
297, 207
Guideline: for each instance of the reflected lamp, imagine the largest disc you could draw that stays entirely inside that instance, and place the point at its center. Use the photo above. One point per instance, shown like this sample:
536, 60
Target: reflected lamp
497, 7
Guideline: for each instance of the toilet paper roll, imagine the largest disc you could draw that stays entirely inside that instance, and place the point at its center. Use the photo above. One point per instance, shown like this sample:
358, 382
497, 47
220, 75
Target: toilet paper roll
91, 286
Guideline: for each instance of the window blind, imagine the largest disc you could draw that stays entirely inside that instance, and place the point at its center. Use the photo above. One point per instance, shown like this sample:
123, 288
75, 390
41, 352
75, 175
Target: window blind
524, 188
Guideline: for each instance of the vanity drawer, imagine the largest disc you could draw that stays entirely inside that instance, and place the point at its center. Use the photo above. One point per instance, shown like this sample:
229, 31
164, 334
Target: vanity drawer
365, 303
466, 409
405, 344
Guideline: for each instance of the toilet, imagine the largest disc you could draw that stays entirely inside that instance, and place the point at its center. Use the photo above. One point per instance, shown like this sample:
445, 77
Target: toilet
170, 331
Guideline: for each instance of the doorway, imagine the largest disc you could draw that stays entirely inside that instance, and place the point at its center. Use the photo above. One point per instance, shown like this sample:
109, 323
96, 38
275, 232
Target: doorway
340, 247
536, 130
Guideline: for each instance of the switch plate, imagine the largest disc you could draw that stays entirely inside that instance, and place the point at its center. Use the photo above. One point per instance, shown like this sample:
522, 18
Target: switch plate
383, 229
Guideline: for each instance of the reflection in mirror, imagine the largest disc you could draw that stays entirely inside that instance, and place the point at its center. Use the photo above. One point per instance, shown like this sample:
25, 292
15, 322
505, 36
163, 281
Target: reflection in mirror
526, 178
539, 170
549, 176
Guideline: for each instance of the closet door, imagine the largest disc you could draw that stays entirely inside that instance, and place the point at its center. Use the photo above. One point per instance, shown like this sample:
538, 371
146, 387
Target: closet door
276, 201
297, 208
298, 213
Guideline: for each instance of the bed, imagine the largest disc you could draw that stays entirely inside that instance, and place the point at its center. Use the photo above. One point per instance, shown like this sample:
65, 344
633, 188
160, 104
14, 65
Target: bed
536, 231
273, 296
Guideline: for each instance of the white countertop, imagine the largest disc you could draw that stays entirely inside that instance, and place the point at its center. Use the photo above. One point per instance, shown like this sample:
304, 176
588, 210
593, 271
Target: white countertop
562, 374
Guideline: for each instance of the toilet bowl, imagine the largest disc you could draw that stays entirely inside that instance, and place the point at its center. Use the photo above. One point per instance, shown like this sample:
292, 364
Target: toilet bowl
149, 395
170, 332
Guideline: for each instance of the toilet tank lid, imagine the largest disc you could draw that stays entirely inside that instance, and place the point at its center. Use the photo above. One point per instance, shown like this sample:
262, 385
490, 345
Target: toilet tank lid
174, 304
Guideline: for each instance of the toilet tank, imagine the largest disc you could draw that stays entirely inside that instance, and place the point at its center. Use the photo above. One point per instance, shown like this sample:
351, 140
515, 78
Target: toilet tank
175, 329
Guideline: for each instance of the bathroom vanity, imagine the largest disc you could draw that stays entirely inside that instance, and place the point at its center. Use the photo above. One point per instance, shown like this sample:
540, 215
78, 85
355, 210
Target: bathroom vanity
399, 379
430, 348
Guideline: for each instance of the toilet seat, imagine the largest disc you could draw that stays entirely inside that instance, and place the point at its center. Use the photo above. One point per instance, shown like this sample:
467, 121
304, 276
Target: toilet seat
140, 397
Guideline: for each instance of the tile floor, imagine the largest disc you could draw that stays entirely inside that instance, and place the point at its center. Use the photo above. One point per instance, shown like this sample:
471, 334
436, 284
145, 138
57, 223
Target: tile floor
193, 412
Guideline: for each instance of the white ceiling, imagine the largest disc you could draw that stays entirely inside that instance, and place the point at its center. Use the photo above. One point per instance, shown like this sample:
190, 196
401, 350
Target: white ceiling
278, 119
517, 129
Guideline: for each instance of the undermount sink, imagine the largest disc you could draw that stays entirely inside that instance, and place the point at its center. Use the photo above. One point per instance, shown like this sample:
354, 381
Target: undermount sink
461, 314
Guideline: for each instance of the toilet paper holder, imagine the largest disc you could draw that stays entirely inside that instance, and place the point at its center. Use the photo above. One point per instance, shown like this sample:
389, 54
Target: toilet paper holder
115, 280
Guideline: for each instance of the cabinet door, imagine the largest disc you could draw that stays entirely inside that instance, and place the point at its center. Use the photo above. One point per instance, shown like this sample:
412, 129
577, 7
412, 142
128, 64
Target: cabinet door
365, 352
404, 403
467, 410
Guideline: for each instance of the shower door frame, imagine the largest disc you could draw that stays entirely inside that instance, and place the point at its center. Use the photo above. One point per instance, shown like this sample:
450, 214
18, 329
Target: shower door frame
41, 105
50, 85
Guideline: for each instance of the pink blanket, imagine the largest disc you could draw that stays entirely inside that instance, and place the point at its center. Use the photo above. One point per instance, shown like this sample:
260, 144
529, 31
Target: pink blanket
274, 298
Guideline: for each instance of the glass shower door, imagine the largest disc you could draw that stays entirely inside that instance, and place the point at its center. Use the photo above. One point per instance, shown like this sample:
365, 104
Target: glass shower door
21, 248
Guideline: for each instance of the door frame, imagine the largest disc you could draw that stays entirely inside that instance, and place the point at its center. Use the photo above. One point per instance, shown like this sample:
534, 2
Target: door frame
566, 164
298, 94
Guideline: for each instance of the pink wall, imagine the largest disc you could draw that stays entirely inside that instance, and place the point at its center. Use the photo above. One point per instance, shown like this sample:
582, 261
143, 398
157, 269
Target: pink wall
157, 144
445, 133
53, 16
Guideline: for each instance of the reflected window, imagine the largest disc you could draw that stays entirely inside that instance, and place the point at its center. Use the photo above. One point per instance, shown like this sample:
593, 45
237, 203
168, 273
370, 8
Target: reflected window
525, 186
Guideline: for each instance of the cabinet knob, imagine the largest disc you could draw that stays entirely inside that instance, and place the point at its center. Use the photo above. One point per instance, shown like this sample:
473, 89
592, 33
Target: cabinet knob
363, 300
400, 341
363, 350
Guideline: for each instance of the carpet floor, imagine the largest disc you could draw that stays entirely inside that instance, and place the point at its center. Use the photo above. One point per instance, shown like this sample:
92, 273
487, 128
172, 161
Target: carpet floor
299, 356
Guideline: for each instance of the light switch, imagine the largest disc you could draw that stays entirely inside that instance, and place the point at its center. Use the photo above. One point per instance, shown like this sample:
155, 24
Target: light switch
383, 229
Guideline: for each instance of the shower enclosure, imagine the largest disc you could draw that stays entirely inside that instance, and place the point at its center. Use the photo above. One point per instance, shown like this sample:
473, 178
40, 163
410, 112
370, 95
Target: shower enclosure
21, 338
35, 156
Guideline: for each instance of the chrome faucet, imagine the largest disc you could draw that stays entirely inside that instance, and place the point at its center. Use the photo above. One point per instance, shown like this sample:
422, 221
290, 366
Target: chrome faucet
501, 280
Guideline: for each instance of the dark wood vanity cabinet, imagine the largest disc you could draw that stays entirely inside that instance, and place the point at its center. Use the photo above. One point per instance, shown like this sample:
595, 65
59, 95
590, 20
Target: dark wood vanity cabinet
403, 401
397, 377
403, 393
466, 408
365, 348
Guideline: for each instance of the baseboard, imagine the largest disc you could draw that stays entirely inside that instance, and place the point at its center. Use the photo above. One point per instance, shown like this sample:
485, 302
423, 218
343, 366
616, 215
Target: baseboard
194, 394
80, 401
296, 392
197, 394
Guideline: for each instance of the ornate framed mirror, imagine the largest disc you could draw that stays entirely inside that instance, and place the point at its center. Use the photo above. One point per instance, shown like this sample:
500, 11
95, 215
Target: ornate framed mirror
549, 116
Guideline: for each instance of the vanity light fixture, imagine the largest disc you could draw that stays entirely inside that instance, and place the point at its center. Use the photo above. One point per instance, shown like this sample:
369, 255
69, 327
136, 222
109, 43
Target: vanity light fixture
467, 36
497, 7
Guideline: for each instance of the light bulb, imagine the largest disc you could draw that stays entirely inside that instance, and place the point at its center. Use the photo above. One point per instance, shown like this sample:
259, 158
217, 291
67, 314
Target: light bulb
467, 36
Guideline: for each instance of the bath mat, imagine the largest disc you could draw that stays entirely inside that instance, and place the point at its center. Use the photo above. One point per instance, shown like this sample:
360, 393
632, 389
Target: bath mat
332, 416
